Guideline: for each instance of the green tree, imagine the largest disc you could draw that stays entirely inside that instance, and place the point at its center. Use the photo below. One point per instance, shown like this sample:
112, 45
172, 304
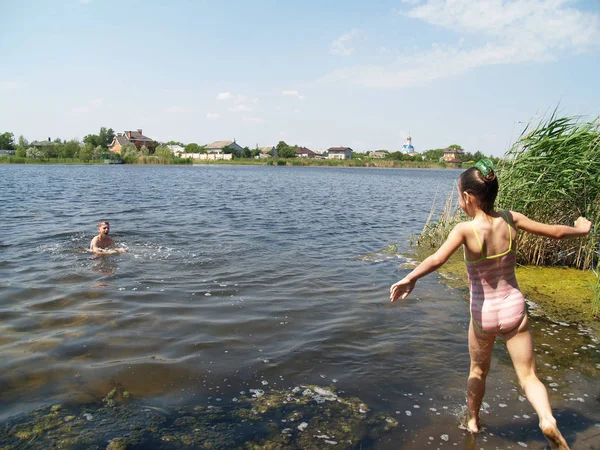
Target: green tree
285, 151
130, 153
92, 139
164, 152
21, 152
70, 149
7, 141
36, 153
98, 152
434, 154
397, 156
181, 144
194, 148
54, 150
245, 153
105, 137
86, 152
23, 142
144, 150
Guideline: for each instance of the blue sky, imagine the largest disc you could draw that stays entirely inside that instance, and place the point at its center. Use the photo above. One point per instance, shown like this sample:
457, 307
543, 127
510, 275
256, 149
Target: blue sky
312, 73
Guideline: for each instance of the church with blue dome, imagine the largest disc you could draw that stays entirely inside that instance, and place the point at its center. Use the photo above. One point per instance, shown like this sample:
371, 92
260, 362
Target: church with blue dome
408, 148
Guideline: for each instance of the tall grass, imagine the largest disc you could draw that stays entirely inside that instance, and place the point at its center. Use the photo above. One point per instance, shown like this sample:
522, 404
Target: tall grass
552, 175
434, 233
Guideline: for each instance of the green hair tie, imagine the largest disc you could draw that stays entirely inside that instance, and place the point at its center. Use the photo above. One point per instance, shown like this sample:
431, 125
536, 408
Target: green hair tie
484, 166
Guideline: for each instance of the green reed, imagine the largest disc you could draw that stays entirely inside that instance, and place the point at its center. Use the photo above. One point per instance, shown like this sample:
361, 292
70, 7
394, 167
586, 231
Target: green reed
552, 174
434, 233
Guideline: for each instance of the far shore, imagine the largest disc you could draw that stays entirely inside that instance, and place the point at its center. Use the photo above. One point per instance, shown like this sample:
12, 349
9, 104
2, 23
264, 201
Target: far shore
366, 162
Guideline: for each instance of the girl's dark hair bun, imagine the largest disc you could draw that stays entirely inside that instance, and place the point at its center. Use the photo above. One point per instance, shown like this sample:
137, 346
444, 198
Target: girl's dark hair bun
491, 176
486, 168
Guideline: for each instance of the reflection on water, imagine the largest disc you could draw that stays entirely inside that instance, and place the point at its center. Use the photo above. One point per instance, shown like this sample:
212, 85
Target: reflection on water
240, 278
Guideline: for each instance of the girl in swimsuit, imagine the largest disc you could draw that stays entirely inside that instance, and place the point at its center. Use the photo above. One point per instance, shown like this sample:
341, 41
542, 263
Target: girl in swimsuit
496, 303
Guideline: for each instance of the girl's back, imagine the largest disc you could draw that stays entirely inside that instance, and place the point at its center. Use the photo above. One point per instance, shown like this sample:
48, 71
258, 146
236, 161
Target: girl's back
497, 304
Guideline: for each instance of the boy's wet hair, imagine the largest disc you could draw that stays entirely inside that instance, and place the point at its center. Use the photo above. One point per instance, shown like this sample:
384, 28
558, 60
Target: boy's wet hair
104, 222
483, 188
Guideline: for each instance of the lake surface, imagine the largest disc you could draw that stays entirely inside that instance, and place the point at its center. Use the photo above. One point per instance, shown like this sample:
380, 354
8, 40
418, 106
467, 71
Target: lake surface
242, 278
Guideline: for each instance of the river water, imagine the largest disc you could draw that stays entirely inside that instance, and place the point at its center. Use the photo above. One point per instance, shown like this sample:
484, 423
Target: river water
263, 278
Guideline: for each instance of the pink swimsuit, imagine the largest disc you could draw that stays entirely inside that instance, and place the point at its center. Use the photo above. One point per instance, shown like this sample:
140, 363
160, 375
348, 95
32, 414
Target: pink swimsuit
497, 304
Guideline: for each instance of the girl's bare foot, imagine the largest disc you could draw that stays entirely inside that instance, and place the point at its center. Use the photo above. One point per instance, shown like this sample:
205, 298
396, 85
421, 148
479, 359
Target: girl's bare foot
473, 425
553, 436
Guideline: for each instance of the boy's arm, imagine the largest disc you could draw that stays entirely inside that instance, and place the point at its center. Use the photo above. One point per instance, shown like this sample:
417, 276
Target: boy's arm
405, 286
581, 227
93, 245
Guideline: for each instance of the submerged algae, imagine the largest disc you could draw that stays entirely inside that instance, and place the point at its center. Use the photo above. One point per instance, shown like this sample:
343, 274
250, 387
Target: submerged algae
298, 418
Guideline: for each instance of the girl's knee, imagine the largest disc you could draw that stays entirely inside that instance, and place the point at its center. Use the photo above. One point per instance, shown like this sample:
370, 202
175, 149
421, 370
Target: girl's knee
530, 379
479, 371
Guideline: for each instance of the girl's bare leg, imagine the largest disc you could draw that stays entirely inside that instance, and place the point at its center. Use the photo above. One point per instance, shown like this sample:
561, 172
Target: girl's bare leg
480, 350
520, 347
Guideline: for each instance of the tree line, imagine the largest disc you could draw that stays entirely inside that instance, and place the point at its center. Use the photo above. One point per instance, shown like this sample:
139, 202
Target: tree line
95, 147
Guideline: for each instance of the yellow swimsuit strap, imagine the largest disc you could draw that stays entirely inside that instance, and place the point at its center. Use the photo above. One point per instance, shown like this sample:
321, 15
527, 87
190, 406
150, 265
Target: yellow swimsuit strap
504, 214
478, 240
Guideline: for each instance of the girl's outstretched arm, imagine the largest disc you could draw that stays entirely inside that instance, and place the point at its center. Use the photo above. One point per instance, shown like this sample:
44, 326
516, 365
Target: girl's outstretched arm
581, 227
405, 286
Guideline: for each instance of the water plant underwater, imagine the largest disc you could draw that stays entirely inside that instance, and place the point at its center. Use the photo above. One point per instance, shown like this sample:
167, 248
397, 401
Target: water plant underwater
552, 175
303, 417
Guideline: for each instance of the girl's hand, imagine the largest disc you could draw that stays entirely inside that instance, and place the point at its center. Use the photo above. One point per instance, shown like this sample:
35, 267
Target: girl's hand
583, 224
401, 288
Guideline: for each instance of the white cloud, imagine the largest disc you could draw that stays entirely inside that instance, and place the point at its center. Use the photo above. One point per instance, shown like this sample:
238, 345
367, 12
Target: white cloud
292, 93
213, 116
342, 45
490, 32
253, 120
224, 96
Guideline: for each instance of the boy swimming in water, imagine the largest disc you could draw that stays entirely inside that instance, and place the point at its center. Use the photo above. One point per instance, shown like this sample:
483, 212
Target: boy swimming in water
103, 242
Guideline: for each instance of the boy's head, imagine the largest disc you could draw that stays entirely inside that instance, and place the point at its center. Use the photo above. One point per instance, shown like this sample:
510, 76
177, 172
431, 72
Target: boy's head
483, 187
103, 227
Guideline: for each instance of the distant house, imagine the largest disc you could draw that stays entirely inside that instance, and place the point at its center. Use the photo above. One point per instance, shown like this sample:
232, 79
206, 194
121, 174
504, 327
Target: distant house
218, 147
7, 152
452, 155
378, 154
303, 152
339, 153
266, 152
42, 144
129, 137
